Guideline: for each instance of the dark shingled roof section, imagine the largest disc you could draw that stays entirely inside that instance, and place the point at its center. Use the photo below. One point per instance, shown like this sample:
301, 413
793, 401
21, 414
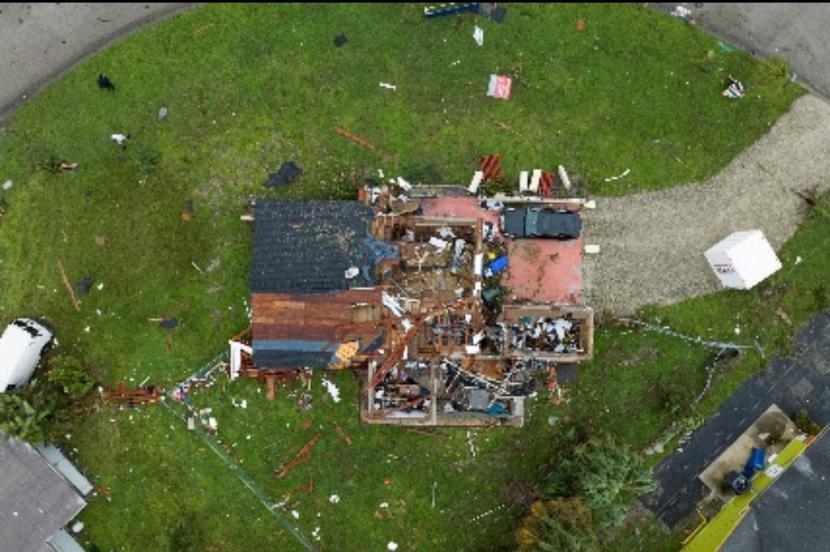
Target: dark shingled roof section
792, 514
307, 246
292, 359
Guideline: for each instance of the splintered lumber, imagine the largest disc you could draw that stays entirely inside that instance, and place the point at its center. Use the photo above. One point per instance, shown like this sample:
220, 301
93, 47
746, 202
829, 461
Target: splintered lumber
342, 434
302, 456
353, 138
75, 302
123, 395
307, 488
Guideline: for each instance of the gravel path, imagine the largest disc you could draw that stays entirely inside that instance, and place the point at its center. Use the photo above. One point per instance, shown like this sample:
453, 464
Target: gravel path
653, 243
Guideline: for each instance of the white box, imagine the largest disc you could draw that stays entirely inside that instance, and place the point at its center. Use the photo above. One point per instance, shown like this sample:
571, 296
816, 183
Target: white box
743, 259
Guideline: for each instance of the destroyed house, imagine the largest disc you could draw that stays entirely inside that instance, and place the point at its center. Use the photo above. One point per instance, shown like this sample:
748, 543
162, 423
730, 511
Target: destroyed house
401, 298
313, 274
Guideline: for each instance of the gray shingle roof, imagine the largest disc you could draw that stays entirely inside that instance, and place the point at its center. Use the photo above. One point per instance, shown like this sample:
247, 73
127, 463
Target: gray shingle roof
307, 246
35, 501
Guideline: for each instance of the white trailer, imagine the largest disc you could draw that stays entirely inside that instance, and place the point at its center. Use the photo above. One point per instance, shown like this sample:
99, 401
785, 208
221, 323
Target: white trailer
21, 347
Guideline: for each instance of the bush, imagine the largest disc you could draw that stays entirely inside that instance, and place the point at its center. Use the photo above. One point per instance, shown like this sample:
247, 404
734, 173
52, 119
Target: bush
68, 373
20, 419
806, 424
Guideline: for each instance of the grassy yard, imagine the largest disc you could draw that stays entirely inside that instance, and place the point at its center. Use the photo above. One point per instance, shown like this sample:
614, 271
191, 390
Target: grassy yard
248, 87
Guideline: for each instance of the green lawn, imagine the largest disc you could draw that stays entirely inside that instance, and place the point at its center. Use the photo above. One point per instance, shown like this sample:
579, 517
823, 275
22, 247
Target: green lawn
248, 87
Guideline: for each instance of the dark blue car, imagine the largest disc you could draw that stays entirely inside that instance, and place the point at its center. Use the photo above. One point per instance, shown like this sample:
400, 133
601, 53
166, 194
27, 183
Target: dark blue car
540, 222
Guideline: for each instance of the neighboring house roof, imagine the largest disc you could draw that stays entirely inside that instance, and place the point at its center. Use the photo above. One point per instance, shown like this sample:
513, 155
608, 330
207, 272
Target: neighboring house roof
791, 515
305, 330
307, 246
35, 500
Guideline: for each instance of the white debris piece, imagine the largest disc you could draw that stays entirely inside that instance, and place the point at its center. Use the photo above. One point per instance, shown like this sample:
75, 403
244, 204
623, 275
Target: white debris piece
162, 113
100, 286
334, 499
388, 86
592, 249
475, 183
523, 182
478, 35
403, 184
7, 184
384, 504
560, 326
78, 526
621, 175
534, 181
438, 243
563, 176
392, 545
681, 11
295, 514
446, 232
119, 139
352, 272
737, 330
332, 390
592, 204
798, 260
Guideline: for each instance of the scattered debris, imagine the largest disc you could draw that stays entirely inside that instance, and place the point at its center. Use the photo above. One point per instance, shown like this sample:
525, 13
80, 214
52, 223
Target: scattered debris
169, 323
120, 139
65, 166
592, 249
499, 87
442, 10
75, 302
287, 172
351, 272
580, 25
478, 178
302, 456
621, 175
563, 177
332, 390
388, 86
783, 316
142, 395
84, 285
7, 185
162, 113
78, 526
392, 545
734, 89
346, 439
340, 40
334, 499
478, 35
681, 11
491, 167
354, 138
104, 83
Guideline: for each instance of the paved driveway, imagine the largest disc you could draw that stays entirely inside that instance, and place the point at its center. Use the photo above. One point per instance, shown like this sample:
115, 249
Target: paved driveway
796, 32
38, 42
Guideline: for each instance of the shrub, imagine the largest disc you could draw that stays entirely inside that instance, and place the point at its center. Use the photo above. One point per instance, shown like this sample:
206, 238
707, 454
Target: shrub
69, 374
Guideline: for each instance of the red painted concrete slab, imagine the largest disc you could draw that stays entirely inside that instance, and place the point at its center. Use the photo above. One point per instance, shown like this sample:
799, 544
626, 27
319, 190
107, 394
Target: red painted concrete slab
545, 271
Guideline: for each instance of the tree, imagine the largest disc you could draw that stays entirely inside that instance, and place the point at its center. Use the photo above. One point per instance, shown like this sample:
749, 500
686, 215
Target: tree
20, 419
559, 525
604, 475
69, 374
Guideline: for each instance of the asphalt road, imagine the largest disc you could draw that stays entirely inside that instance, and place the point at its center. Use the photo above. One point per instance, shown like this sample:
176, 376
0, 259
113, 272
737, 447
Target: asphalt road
796, 32
39, 42
800, 381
